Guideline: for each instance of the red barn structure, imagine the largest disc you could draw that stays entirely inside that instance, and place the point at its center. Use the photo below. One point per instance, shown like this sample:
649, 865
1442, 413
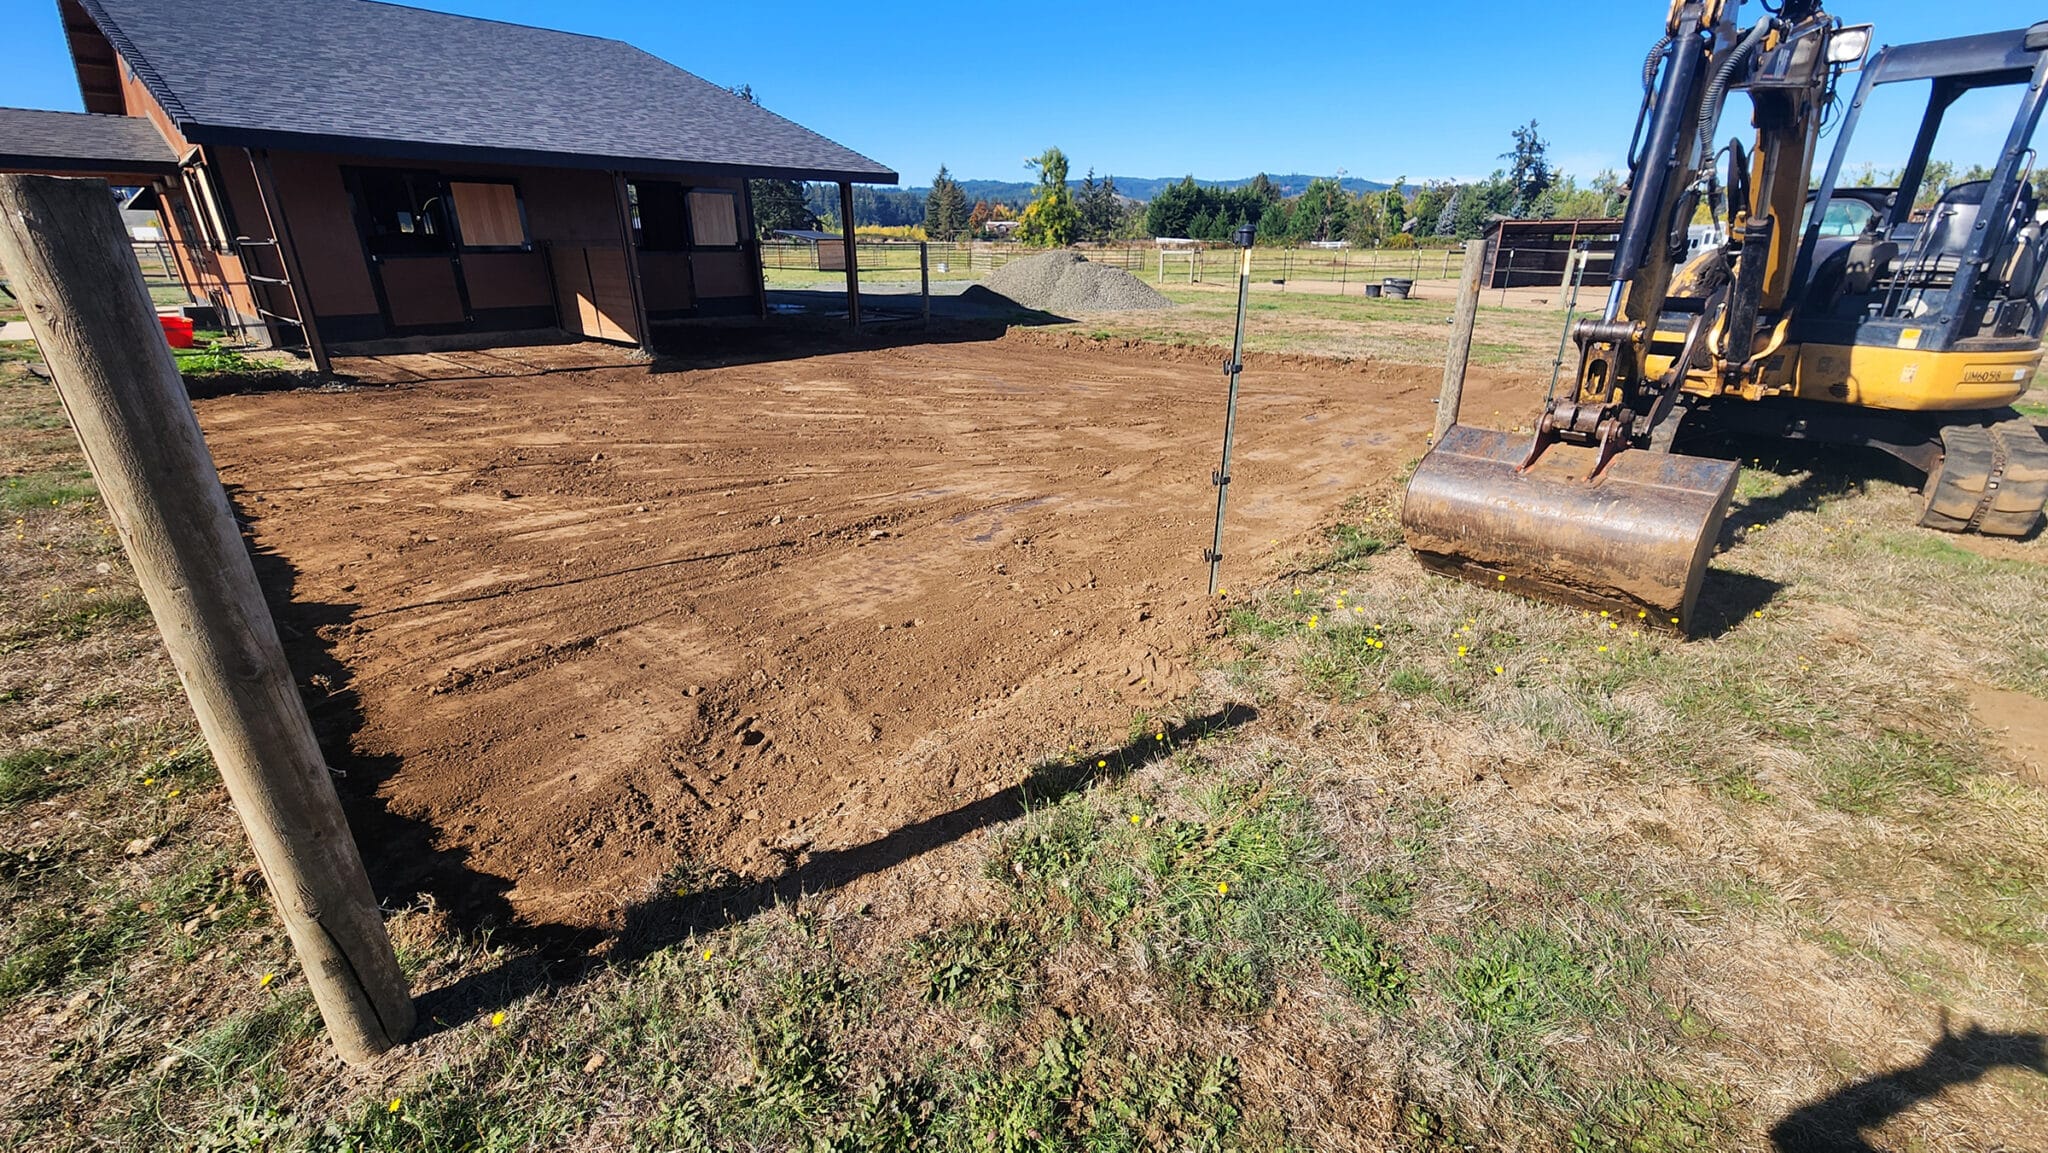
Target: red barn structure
341, 171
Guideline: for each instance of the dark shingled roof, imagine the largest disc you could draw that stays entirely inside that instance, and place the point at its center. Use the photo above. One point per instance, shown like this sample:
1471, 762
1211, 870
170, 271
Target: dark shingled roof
36, 141
404, 83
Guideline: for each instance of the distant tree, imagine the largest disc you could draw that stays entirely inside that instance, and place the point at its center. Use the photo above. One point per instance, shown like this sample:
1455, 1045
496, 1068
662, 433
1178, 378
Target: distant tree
1050, 219
1200, 227
1263, 188
1529, 171
1567, 200
1172, 211
1428, 205
977, 221
1320, 212
1102, 211
1273, 222
779, 204
945, 208
1447, 216
1393, 210
744, 92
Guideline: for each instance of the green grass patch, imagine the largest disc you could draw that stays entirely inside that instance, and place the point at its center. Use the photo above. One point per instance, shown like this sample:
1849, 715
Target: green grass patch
46, 490
989, 963
1523, 982
74, 617
31, 774
1652, 1116
1868, 775
213, 359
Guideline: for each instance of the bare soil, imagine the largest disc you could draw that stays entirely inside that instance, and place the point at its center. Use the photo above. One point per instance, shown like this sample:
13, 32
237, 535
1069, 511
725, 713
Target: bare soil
572, 630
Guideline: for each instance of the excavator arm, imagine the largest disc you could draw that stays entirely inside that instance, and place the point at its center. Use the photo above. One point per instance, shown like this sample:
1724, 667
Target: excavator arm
1584, 512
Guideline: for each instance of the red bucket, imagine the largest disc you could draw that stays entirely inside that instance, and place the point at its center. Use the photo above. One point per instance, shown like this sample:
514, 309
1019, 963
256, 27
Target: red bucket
177, 330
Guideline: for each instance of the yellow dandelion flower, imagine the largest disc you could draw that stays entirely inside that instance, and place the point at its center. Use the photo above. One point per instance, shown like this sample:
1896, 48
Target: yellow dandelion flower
1499, 670
1223, 888
1135, 820
1158, 736
149, 780
1674, 620
267, 979
1642, 614
1613, 625
1502, 577
1603, 648
497, 1018
1603, 613
1759, 612
394, 1106
1102, 764
174, 792
707, 952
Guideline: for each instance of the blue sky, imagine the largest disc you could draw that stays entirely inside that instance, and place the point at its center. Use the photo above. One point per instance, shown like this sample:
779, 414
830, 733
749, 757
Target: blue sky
1422, 89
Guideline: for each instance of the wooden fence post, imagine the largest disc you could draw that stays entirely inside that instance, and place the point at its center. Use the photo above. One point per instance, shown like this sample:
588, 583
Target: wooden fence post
67, 257
1460, 352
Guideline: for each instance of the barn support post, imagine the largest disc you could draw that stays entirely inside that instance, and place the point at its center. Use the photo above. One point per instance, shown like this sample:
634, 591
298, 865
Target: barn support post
1460, 352
846, 236
643, 333
288, 259
67, 257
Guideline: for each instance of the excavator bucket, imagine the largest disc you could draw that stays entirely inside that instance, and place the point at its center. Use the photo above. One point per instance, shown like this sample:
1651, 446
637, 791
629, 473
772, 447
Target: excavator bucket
1635, 538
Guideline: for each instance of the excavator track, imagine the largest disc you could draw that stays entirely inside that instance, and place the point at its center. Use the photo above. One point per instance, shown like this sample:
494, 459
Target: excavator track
1993, 479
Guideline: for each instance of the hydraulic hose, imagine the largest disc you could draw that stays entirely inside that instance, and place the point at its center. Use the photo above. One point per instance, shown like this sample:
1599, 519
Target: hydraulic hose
1717, 86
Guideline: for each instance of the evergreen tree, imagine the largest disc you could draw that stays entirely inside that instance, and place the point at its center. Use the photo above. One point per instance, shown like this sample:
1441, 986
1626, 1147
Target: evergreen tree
1102, 212
945, 208
1447, 219
1051, 218
1273, 222
779, 204
1530, 174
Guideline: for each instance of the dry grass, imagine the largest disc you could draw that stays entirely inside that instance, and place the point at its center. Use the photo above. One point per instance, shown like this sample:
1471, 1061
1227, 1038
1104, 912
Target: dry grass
1574, 886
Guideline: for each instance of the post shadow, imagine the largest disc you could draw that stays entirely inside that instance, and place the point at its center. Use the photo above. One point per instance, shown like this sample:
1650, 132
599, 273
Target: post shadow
400, 853
1836, 1123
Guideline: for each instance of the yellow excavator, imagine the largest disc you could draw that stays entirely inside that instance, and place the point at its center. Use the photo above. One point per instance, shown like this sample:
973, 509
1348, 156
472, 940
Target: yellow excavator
1847, 316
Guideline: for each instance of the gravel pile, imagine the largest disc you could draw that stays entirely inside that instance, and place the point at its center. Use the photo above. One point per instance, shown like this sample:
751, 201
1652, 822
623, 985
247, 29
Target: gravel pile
1065, 283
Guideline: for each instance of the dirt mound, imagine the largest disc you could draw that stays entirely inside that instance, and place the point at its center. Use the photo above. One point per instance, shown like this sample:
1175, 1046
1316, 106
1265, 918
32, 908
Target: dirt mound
1066, 283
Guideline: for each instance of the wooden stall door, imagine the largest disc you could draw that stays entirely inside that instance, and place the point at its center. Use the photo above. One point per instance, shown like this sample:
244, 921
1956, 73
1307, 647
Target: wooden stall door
594, 290
421, 291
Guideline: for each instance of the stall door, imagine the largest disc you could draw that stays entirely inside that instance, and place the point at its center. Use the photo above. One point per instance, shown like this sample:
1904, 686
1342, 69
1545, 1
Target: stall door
411, 245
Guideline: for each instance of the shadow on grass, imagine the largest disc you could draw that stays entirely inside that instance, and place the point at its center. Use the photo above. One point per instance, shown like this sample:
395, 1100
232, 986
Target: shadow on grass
672, 917
1837, 1123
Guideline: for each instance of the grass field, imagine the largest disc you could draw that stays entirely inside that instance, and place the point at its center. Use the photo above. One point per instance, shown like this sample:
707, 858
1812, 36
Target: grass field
1420, 867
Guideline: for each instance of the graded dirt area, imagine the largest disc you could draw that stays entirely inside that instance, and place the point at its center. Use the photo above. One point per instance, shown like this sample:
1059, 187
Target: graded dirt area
567, 629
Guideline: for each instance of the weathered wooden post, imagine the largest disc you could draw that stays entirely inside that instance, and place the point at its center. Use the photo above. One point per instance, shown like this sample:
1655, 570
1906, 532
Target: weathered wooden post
67, 258
1462, 323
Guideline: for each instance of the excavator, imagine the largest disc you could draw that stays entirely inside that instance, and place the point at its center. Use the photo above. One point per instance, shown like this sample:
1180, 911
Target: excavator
1840, 315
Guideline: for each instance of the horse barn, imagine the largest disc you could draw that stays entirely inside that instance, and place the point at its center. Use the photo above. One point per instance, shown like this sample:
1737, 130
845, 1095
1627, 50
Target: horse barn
334, 172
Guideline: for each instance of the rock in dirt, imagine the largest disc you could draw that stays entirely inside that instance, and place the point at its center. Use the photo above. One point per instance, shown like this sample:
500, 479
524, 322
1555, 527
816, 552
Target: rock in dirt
1065, 282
